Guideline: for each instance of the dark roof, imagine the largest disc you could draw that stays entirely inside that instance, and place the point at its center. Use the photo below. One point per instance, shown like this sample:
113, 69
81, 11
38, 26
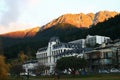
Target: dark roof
69, 45
30, 61
78, 51
42, 49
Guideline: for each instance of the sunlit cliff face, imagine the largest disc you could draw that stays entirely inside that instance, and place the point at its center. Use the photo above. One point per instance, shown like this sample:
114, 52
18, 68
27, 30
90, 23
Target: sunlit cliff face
24, 33
104, 15
82, 20
78, 20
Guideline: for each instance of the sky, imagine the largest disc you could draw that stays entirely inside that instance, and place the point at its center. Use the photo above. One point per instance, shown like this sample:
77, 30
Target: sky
24, 14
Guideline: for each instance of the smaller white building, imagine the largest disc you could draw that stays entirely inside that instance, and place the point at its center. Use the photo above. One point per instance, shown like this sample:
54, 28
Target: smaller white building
93, 40
29, 65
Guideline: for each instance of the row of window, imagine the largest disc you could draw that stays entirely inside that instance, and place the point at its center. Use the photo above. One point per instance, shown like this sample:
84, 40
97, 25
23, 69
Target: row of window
102, 61
57, 52
42, 55
43, 60
96, 39
66, 46
100, 55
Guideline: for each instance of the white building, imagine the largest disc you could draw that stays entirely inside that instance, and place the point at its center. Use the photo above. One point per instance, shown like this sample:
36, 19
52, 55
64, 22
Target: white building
93, 40
42, 55
55, 50
29, 65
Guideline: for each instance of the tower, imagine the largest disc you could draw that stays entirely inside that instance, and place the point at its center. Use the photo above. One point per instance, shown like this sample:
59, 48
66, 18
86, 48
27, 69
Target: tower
53, 41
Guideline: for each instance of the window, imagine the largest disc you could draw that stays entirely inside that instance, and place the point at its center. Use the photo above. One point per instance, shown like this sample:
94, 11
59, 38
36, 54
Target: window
52, 52
106, 55
50, 59
64, 50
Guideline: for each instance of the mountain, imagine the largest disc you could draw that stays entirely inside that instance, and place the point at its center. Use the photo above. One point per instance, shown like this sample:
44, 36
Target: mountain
23, 33
65, 31
77, 20
82, 20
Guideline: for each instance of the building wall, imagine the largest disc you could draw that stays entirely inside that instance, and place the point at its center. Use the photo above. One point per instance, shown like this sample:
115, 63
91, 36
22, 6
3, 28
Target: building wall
80, 41
93, 40
42, 57
54, 49
103, 58
57, 49
29, 65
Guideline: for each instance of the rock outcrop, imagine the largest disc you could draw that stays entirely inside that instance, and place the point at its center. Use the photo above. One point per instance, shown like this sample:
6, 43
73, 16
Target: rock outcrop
21, 34
82, 20
78, 20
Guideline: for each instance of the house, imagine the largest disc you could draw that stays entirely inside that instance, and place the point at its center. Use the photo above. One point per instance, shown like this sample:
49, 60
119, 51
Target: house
103, 58
30, 65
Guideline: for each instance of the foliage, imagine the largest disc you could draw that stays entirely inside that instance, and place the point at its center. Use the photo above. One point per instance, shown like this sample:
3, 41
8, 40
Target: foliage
40, 69
74, 63
16, 65
78, 77
16, 68
22, 57
4, 68
110, 28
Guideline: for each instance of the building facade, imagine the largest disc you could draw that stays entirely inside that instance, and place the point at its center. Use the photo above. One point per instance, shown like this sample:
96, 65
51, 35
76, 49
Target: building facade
94, 40
103, 58
55, 50
80, 41
30, 65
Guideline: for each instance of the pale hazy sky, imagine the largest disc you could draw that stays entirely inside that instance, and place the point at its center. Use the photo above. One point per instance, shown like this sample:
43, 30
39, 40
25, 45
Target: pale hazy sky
24, 14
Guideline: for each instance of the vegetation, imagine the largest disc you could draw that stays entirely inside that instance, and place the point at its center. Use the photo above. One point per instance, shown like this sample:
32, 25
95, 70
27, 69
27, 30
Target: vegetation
74, 63
16, 65
4, 68
16, 68
110, 28
22, 57
38, 70
76, 77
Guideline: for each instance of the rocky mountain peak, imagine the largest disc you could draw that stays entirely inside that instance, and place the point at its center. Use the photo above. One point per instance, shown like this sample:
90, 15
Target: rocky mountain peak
82, 20
104, 15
